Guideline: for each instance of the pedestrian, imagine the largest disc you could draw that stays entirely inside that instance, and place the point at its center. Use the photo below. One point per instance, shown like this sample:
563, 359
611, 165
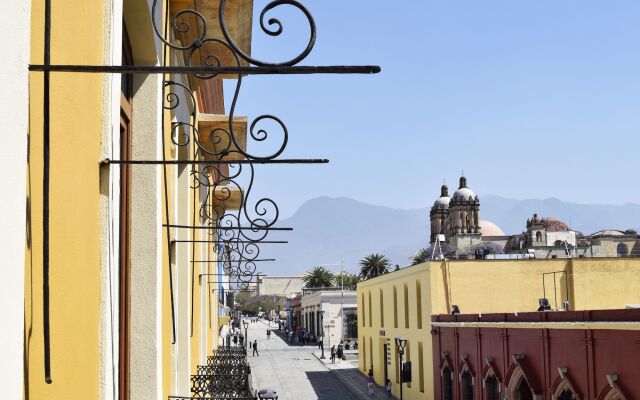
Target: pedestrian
255, 348
339, 352
241, 340
388, 385
333, 354
235, 340
319, 342
290, 336
370, 382
355, 345
268, 334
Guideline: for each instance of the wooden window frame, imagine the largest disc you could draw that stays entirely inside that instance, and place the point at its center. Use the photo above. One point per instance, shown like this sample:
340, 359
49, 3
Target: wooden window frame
124, 281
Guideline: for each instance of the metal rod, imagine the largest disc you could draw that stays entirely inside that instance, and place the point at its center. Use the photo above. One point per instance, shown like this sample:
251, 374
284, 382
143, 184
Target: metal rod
258, 260
45, 196
152, 69
209, 274
233, 241
212, 162
230, 228
193, 245
166, 189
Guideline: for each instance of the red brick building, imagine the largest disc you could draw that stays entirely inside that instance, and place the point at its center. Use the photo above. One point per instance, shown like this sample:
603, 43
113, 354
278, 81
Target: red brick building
579, 355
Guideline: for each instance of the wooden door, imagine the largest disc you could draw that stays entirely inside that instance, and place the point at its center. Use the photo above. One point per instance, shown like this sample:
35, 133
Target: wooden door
126, 109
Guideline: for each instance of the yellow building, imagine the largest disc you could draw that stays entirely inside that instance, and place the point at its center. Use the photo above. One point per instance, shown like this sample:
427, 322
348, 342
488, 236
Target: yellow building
137, 223
134, 267
401, 303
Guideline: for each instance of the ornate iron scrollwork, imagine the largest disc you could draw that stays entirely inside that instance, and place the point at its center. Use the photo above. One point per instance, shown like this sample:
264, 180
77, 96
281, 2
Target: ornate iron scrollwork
271, 32
251, 224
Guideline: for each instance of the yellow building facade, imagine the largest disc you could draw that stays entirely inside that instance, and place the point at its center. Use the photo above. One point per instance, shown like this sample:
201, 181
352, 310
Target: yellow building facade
134, 304
401, 303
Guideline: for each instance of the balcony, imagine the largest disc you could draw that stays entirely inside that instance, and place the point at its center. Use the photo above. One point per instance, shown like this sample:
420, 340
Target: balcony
227, 375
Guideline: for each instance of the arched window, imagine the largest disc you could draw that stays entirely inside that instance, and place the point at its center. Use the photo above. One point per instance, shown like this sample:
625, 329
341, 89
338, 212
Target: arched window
466, 386
395, 307
566, 394
522, 391
538, 236
614, 394
381, 309
491, 388
363, 311
406, 306
447, 384
563, 389
622, 250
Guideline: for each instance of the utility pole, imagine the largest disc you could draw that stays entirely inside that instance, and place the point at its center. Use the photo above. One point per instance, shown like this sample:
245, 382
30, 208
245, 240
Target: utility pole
342, 297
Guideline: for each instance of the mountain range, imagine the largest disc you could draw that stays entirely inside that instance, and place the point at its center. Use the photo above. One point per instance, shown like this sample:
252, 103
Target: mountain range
328, 230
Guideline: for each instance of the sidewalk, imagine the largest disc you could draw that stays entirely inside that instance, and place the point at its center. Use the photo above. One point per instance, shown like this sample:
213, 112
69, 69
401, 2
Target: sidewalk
348, 374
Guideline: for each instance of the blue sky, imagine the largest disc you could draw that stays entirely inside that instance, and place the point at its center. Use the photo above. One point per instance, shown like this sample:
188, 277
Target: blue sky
533, 99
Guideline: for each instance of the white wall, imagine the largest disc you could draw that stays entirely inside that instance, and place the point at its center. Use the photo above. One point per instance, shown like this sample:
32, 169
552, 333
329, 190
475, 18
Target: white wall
14, 102
568, 236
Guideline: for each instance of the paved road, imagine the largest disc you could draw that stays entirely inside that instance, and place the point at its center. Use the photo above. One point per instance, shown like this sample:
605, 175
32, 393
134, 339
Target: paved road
293, 371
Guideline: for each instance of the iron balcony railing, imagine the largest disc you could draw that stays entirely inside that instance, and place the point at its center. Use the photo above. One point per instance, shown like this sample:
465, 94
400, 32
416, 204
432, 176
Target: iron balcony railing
227, 375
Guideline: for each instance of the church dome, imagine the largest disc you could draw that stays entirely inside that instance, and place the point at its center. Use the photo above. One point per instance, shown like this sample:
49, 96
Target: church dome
443, 200
555, 225
488, 228
608, 232
464, 193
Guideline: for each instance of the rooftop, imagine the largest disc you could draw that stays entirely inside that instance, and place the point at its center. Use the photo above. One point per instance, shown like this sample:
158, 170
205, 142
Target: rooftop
620, 315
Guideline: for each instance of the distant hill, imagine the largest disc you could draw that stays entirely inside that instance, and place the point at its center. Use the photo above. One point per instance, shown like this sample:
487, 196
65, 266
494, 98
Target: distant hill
329, 229
511, 215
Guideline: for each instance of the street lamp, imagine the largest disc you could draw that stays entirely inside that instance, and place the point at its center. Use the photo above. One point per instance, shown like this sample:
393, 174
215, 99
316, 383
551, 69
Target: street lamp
246, 337
401, 343
322, 340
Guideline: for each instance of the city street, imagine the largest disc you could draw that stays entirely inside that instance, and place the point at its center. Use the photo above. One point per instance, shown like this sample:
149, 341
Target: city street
293, 371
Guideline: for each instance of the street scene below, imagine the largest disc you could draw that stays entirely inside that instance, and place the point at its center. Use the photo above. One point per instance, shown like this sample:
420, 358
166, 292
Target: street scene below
295, 371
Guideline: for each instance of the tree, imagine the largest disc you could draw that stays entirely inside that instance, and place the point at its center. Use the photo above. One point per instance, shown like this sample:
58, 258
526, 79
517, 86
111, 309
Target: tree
242, 299
347, 281
318, 277
373, 265
251, 305
421, 256
441, 250
485, 248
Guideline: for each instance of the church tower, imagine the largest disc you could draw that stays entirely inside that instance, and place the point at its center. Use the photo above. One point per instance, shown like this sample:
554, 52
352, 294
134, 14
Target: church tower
463, 225
536, 231
439, 213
